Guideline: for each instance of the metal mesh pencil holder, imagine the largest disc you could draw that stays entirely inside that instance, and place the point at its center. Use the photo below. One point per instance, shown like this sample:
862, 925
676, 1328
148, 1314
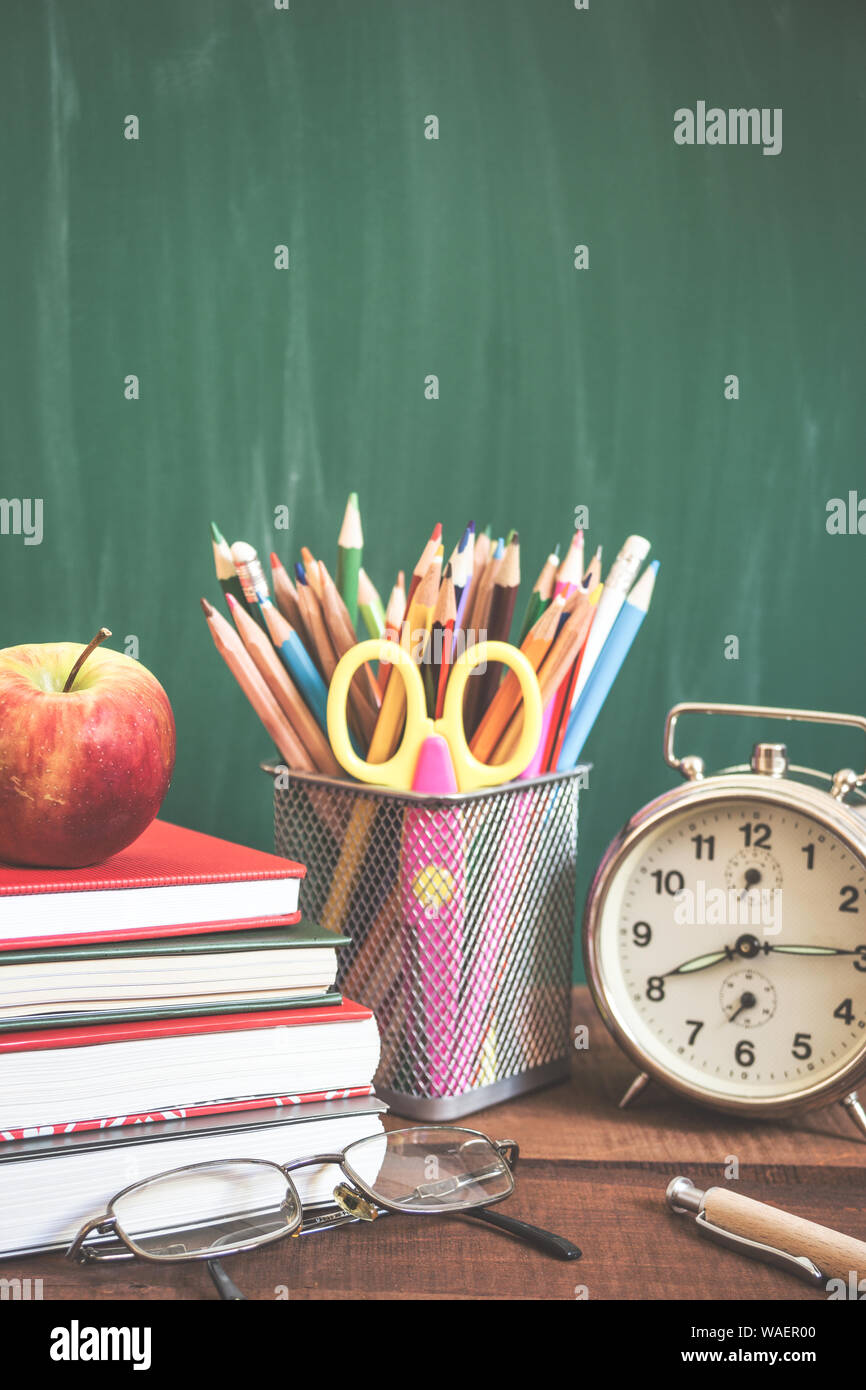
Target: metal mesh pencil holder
461, 912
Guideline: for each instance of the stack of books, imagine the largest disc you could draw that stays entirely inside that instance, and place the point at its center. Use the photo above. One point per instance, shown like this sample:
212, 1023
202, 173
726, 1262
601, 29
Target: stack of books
169, 1007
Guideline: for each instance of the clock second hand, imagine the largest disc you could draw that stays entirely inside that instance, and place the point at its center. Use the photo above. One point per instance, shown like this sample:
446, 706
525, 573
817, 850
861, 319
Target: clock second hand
747, 948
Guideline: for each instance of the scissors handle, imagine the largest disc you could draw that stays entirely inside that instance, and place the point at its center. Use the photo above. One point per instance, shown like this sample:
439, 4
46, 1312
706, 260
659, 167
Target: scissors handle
397, 771
469, 771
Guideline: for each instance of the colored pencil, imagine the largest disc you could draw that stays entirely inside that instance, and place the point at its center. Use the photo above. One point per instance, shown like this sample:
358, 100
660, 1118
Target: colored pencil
322, 650
394, 615
370, 605
285, 594
550, 761
556, 710
502, 603
462, 562
242, 667
570, 572
283, 688
607, 666
592, 574
226, 573
438, 665
297, 662
425, 560
413, 638
623, 573
311, 570
480, 558
476, 630
363, 691
535, 647
542, 593
554, 667
250, 573
350, 547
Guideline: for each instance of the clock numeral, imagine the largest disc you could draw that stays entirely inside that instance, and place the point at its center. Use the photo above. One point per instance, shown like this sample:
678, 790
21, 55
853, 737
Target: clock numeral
809, 851
801, 1048
860, 962
642, 933
757, 834
845, 1011
849, 897
672, 881
745, 1053
699, 841
655, 988
695, 1027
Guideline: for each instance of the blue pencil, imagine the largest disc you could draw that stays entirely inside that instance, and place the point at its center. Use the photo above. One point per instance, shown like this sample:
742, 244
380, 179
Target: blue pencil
297, 662
606, 668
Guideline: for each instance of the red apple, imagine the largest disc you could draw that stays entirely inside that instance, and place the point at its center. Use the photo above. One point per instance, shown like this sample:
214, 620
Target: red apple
83, 771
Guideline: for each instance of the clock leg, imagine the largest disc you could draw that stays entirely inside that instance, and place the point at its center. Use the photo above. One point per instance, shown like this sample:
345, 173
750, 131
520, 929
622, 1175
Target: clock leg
634, 1090
854, 1106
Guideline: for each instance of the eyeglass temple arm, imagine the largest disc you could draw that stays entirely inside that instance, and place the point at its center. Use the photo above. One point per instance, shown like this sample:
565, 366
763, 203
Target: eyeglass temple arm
226, 1287
551, 1244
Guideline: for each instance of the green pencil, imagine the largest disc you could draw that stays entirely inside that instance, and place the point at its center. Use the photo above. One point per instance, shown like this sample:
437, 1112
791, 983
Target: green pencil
370, 605
541, 594
226, 573
350, 546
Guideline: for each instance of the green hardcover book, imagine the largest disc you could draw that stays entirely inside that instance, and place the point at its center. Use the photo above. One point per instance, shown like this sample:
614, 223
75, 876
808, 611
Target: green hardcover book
284, 967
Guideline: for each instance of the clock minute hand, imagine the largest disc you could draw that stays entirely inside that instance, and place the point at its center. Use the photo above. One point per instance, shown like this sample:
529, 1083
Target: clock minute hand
810, 950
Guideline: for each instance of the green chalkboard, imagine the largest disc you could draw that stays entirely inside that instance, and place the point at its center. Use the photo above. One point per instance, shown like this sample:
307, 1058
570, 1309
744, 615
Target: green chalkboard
604, 386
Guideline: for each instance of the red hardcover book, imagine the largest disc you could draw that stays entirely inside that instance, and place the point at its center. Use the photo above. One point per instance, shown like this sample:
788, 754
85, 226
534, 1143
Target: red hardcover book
140, 1030
188, 1112
65, 1076
169, 882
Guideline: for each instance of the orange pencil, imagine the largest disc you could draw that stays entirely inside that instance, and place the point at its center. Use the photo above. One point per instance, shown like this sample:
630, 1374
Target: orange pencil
242, 667
550, 675
311, 570
426, 559
535, 647
555, 748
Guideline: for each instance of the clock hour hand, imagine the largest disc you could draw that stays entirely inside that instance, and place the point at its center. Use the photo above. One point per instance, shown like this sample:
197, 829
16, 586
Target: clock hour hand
704, 962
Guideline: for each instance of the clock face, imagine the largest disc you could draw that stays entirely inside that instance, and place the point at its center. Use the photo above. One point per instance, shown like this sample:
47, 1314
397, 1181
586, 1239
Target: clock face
732, 949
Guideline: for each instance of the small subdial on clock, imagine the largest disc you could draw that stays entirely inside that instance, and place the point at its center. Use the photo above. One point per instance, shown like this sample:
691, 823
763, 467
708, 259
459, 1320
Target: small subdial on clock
748, 999
752, 870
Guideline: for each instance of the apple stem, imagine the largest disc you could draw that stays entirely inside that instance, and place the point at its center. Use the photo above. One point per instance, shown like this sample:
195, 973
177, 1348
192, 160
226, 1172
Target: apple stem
91, 646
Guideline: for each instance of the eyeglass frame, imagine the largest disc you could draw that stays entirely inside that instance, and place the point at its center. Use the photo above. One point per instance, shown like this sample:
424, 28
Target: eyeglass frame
507, 1149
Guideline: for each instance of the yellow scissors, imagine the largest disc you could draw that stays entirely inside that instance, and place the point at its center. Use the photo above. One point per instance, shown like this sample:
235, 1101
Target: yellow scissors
433, 755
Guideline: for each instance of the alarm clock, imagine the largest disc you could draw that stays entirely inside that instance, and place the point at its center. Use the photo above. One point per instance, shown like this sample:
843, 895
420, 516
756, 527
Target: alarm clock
725, 931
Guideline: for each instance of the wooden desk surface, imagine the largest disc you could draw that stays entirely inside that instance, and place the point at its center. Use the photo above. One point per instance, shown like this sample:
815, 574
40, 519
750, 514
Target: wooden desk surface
587, 1170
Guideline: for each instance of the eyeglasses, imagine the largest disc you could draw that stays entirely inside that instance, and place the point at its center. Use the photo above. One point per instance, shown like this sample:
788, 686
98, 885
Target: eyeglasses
208, 1210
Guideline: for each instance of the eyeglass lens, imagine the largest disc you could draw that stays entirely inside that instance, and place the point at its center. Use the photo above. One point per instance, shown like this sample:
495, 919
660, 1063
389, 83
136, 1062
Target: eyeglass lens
430, 1169
207, 1209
